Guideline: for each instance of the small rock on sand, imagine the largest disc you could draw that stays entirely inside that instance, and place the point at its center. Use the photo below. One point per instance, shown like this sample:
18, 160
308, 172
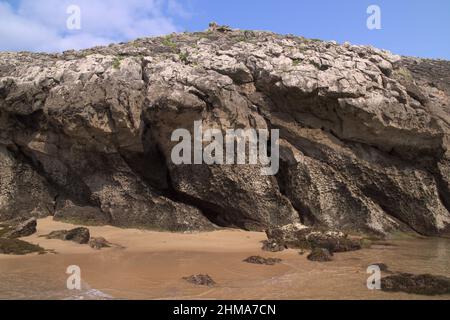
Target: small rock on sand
200, 280
79, 235
320, 255
24, 229
261, 260
99, 243
297, 236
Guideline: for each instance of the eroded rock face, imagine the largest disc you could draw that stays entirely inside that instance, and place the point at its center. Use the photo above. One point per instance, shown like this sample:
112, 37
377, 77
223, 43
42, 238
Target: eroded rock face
262, 260
98, 243
363, 134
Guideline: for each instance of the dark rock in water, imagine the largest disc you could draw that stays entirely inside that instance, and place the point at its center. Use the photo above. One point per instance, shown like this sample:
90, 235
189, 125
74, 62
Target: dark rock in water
298, 236
200, 280
423, 284
18, 247
99, 243
261, 260
24, 229
320, 255
272, 246
79, 235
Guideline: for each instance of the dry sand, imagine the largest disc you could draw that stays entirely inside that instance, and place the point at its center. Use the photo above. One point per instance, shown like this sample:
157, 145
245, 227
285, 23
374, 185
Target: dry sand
151, 265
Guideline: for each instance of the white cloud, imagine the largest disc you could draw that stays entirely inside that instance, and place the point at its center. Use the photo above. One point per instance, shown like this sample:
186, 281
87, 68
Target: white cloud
175, 8
41, 25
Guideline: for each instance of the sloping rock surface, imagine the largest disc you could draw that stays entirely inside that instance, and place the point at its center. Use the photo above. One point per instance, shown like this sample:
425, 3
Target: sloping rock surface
363, 134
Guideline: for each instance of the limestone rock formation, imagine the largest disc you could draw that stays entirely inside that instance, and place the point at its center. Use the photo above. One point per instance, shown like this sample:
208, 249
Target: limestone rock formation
301, 237
363, 134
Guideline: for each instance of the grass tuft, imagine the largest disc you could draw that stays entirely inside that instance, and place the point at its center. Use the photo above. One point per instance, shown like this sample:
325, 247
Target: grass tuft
296, 62
184, 57
116, 62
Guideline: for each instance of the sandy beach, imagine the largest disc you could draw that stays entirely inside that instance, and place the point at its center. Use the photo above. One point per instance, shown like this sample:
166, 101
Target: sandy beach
151, 265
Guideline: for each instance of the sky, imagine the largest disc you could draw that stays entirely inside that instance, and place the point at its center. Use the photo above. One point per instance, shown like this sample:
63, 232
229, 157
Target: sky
408, 27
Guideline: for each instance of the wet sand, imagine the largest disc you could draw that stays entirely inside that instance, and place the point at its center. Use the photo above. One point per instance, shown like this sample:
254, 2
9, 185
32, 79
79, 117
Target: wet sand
151, 266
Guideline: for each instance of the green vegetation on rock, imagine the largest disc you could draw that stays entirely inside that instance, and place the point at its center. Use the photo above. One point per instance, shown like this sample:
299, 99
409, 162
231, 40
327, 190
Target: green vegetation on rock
167, 41
19, 247
4, 229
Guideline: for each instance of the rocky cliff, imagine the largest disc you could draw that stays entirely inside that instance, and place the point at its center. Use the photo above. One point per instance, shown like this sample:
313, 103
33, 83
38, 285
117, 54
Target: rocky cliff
86, 136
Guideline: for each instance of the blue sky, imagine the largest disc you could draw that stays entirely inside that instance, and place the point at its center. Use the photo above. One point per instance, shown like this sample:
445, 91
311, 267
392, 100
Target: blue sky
409, 27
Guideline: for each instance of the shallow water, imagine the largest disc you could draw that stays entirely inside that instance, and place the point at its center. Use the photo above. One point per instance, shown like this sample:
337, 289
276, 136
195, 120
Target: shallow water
120, 274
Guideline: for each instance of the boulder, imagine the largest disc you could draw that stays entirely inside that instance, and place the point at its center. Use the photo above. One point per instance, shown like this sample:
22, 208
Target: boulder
86, 136
298, 236
287, 235
99, 243
79, 235
58, 234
